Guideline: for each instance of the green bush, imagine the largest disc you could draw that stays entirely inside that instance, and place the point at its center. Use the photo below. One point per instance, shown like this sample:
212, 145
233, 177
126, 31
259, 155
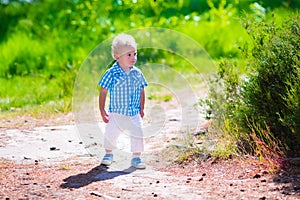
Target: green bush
271, 94
266, 98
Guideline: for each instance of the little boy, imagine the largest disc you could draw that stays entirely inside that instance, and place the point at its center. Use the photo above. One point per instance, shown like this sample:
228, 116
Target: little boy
125, 84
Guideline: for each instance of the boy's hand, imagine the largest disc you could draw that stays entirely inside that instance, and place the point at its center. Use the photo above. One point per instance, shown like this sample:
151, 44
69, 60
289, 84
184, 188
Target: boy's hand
102, 97
142, 113
104, 116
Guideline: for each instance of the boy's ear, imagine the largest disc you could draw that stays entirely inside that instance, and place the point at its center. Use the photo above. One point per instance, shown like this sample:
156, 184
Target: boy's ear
116, 57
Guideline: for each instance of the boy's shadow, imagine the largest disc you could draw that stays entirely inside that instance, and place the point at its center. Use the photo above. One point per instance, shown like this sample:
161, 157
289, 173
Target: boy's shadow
98, 173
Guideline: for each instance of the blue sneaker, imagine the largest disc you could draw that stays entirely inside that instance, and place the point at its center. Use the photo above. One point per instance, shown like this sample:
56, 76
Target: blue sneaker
137, 163
107, 159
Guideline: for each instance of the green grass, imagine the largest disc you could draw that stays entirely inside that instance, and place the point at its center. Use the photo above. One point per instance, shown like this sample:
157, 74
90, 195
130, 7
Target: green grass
26, 93
18, 54
42, 47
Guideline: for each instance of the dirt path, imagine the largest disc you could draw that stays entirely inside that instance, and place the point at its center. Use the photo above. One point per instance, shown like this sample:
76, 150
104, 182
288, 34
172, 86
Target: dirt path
43, 159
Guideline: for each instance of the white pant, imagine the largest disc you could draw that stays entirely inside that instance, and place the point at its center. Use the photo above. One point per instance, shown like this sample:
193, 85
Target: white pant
132, 126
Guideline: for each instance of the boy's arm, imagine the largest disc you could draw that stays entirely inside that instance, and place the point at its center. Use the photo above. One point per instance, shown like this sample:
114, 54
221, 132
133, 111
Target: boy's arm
142, 103
102, 98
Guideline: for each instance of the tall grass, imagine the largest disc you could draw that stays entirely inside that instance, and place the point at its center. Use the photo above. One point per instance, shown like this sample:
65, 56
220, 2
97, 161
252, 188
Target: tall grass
20, 55
19, 92
34, 72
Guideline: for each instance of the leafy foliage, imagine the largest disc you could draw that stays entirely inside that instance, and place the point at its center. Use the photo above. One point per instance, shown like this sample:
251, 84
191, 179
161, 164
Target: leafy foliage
263, 104
272, 92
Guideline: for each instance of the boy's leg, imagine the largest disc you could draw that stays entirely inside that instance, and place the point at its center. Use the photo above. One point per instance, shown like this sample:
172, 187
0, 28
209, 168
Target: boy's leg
137, 142
136, 134
112, 132
136, 154
111, 135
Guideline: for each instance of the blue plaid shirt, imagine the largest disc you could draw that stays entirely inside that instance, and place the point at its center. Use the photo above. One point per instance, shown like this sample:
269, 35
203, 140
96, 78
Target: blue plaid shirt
124, 89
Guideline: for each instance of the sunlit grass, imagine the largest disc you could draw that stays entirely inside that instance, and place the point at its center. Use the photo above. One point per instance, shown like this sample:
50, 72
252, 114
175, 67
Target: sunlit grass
39, 58
19, 55
20, 92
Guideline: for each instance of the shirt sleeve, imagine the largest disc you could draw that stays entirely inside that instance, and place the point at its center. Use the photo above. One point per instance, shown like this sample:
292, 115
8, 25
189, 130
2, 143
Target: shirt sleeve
143, 82
106, 80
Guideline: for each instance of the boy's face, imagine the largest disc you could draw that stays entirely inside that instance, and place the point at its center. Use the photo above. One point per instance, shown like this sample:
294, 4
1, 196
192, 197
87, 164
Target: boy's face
128, 58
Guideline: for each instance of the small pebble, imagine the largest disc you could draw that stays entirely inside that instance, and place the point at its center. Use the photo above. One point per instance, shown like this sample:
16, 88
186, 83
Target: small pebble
257, 176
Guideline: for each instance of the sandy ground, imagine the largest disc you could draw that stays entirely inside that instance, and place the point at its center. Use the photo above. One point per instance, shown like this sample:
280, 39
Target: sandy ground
53, 159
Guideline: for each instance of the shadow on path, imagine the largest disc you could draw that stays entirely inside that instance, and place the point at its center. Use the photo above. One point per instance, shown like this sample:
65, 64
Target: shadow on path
98, 173
289, 175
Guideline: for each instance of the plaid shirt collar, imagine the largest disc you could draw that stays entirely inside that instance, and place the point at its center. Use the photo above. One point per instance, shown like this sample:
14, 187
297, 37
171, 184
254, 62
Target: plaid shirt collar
117, 68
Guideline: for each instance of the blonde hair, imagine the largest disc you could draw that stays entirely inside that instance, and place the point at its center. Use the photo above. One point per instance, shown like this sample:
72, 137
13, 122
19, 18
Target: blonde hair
122, 43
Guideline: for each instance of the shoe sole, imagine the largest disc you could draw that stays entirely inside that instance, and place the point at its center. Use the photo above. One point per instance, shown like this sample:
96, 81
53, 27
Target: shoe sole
106, 163
139, 167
